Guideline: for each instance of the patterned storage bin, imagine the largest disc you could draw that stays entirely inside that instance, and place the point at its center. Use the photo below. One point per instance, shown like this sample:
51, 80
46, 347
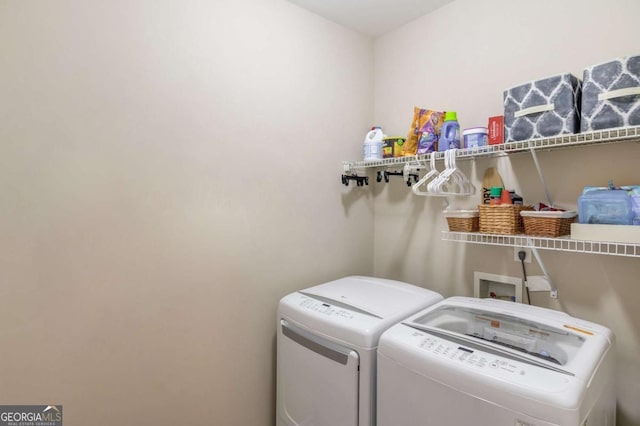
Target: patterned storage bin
611, 94
542, 108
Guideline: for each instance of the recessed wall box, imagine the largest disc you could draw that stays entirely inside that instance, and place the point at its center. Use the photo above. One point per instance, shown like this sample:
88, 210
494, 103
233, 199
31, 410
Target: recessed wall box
497, 287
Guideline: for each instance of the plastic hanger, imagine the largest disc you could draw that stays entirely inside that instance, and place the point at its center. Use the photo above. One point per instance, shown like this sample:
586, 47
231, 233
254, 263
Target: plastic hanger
432, 173
451, 181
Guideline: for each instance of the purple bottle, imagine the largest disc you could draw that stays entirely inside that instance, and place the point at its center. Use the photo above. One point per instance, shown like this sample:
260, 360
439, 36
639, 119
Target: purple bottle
450, 132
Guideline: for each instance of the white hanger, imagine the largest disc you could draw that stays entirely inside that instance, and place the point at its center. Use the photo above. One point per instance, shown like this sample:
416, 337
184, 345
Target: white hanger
451, 178
463, 182
432, 172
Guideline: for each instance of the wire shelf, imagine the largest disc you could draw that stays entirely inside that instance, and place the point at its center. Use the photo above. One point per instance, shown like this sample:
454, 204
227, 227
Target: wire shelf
559, 244
623, 134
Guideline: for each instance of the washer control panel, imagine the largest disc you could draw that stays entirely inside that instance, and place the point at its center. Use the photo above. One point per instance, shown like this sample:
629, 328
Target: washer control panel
324, 308
468, 356
457, 355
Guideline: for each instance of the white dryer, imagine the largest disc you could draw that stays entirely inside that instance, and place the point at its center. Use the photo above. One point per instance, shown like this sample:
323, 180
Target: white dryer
487, 362
326, 348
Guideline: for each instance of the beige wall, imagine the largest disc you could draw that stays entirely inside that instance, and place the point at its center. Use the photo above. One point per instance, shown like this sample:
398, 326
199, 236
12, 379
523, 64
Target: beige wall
168, 171
462, 57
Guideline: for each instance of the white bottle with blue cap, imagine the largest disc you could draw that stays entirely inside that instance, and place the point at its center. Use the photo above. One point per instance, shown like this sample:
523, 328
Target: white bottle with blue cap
373, 144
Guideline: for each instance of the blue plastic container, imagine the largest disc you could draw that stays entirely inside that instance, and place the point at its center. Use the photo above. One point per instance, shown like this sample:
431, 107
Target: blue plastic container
450, 132
613, 207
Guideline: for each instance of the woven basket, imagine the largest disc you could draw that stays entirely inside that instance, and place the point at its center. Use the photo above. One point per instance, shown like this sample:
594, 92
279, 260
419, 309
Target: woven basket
542, 226
502, 219
463, 224
462, 220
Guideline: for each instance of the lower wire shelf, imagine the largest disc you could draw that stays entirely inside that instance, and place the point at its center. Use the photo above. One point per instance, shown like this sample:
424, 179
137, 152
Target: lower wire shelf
543, 243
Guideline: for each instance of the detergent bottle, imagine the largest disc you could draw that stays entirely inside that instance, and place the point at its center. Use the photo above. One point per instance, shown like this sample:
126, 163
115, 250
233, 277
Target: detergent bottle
373, 144
450, 132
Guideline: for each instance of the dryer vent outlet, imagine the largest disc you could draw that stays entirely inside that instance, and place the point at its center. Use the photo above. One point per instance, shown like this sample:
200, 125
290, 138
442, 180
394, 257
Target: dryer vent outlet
497, 287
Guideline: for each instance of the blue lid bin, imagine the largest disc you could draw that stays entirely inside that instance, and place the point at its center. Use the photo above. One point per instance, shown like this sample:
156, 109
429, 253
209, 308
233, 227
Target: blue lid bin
613, 207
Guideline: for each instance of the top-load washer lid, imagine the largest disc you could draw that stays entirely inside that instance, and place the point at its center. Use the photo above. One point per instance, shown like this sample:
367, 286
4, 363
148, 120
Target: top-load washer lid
375, 296
356, 309
536, 335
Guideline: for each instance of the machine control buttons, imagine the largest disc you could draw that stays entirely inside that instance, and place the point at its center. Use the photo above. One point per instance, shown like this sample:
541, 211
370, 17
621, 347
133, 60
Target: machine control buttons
325, 308
467, 356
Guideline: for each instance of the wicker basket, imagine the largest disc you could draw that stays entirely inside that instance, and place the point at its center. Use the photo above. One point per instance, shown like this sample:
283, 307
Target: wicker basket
502, 219
548, 224
463, 220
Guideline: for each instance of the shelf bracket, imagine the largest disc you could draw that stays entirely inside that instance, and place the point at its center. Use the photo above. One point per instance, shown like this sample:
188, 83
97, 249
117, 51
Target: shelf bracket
553, 292
541, 176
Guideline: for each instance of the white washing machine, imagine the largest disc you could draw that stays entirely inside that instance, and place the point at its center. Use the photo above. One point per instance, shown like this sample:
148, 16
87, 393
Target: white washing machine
487, 362
327, 340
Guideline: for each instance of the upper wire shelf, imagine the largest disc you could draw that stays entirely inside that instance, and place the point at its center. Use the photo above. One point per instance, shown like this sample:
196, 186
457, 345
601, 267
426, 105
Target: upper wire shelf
622, 134
559, 244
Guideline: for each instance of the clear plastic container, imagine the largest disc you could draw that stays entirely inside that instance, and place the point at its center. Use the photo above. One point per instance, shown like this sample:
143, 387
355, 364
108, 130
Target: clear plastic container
612, 207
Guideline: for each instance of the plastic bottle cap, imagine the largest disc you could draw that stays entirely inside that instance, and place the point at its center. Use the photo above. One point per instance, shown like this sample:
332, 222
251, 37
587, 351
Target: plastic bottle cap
505, 198
496, 191
450, 116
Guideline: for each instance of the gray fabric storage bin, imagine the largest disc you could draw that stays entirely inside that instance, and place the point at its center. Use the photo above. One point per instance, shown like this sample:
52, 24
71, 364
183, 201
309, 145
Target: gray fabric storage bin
611, 94
542, 108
